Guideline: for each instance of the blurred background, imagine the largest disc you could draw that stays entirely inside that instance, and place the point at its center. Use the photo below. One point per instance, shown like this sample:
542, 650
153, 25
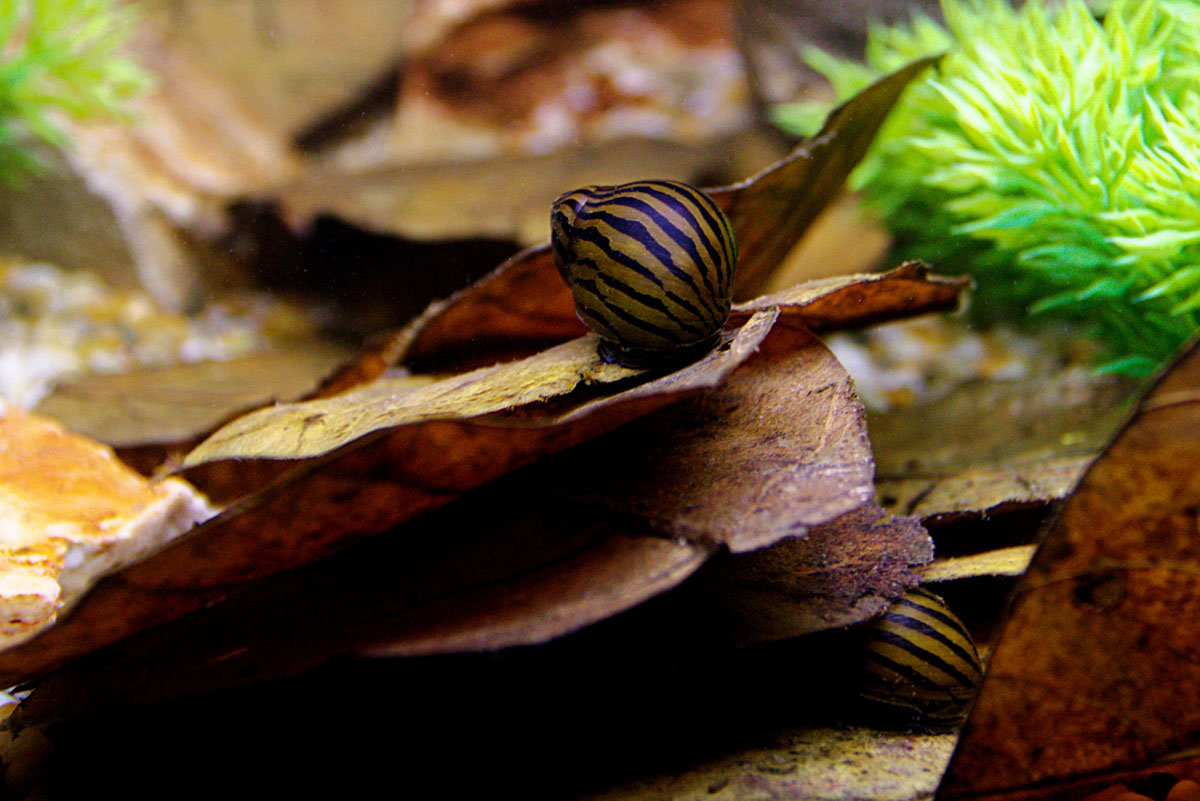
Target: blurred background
372, 155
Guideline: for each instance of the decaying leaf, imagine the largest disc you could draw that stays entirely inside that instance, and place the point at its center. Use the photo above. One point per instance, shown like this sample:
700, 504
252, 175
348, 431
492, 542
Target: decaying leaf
503, 567
316, 427
1098, 665
508, 310
1012, 561
842, 239
405, 461
820, 764
770, 210
312, 477
838, 574
522, 306
850, 301
168, 405
779, 447
783, 392
996, 444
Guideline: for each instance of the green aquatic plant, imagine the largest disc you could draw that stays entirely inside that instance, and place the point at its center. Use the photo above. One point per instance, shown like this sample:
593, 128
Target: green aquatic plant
60, 58
1055, 155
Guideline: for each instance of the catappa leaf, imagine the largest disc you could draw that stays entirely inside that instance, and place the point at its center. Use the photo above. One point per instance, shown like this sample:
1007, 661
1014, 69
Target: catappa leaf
997, 445
1097, 668
395, 468
779, 447
149, 414
523, 306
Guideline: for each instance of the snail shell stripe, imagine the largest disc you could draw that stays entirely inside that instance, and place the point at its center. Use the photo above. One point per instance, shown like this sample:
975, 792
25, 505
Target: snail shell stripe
650, 264
920, 659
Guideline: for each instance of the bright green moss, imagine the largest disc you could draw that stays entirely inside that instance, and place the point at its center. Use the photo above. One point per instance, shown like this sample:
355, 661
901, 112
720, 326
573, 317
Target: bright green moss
60, 57
1053, 155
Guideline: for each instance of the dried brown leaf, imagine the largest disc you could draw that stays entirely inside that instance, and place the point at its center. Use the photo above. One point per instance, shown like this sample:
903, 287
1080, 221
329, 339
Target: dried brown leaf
781, 446
613, 574
534, 559
851, 301
509, 309
308, 429
843, 239
501, 568
523, 304
168, 405
770, 210
821, 764
320, 474
838, 574
995, 444
508, 566
1097, 667
398, 467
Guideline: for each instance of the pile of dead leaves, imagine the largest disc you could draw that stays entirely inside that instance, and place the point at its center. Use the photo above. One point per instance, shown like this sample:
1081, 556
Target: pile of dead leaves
762, 442
481, 482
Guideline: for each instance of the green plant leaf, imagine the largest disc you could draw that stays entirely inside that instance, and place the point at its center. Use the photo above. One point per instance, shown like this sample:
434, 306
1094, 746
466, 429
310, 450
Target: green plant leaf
1051, 149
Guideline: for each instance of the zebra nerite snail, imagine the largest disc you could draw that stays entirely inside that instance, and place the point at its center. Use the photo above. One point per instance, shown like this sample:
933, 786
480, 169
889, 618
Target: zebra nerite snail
920, 666
650, 264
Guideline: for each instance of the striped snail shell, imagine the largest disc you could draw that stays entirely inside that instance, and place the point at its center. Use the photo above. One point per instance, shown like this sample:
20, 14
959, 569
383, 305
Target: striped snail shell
650, 264
920, 666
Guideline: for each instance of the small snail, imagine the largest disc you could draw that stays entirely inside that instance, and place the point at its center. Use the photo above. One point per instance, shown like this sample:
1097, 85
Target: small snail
650, 265
920, 666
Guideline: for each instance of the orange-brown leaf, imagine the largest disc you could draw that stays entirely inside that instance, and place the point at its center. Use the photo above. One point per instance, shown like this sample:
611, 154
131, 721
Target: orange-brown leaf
1098, 665
523, 305
376, 467
781, 446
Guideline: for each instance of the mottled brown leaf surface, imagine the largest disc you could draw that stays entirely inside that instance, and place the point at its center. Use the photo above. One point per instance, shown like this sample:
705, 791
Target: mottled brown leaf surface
517, 308
995, 444
505, 315
523, 302
776, 451
838, 574
775, 456
851, 301
505, 567
167, 405
779, 447
312, 428
1098, 664
387, 476
508, 566
821, 764
332, 420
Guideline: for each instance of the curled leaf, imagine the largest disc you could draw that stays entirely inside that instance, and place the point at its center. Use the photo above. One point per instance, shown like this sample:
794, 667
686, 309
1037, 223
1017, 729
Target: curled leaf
781, 446
502, 568
384, 461
770, 210
522, 305
838, 574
